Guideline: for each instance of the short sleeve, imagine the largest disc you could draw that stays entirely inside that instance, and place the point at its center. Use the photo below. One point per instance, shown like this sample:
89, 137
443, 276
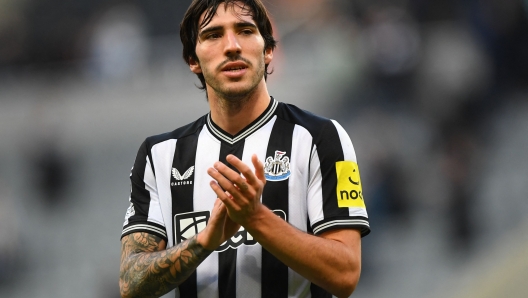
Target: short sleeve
335, 195
144, 211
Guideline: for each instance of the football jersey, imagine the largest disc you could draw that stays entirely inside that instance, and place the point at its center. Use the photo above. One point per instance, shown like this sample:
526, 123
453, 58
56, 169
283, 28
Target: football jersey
313, 183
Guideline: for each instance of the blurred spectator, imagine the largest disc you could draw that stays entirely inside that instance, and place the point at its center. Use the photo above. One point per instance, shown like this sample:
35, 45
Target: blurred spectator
459, 154
49, 162
10, 244
390, 41
118, 47
502, 26
51, 172
453, 71
13, 33
45, 33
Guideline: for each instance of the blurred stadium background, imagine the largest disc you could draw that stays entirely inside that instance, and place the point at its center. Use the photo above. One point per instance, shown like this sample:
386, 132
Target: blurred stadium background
433, 94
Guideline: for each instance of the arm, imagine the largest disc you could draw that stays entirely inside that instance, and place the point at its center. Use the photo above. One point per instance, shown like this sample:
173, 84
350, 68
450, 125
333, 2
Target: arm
332, 261
149, 270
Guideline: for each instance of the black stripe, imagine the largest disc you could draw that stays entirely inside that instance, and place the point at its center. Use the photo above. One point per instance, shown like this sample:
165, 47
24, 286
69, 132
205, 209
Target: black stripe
318, 292
330, 151
227, 259
139, 196
182, 197
275, 196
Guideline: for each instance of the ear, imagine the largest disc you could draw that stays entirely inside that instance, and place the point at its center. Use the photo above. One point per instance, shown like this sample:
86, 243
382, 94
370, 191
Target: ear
268, 55
194, 66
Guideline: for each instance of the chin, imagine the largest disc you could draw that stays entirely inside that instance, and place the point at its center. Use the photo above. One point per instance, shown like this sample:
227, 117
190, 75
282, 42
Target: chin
237, 93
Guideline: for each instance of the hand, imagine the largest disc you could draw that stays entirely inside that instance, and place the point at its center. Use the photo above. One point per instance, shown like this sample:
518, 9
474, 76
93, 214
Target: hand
219, 228
242, 191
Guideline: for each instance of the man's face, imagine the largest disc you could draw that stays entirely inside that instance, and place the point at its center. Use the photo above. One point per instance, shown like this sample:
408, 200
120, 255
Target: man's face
231, 53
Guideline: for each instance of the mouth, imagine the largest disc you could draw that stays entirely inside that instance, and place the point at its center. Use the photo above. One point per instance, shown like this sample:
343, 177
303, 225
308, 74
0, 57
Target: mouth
234, 66
234, 69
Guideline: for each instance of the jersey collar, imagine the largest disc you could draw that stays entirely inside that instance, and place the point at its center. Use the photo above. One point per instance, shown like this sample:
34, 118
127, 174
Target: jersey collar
248, 130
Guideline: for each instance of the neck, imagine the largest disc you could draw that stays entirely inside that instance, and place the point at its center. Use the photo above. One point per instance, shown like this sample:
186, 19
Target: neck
233, 114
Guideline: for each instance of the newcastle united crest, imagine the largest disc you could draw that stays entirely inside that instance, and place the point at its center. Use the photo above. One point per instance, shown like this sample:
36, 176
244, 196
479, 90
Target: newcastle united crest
277, 168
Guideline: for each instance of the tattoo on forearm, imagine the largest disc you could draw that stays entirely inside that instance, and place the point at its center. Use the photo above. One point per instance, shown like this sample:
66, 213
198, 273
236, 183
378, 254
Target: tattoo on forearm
149, 271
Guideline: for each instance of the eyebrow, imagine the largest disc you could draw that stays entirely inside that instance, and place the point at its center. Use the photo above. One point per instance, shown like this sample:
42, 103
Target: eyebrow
238, 25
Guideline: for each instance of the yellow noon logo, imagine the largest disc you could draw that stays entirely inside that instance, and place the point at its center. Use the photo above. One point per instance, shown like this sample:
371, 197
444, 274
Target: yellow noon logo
349, 191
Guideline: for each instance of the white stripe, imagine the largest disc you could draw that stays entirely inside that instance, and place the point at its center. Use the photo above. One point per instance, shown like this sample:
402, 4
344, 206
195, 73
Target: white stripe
207, 153
154, 213
162, 156
315, 189
248, 131
298, 182
357, 211
341, 223
346, 143
298, 191
172, 294
144, 227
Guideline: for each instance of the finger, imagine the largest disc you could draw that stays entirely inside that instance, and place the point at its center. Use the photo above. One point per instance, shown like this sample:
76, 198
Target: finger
226, 171
259, 168
231, 180
244, 169
220, 207
224, 182
224, 196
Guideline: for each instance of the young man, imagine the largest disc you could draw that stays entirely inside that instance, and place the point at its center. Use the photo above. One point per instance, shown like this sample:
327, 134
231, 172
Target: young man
255, 199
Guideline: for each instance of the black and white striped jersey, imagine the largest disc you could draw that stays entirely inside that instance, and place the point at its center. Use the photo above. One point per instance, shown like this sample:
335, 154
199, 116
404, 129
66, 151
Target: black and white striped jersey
313, 183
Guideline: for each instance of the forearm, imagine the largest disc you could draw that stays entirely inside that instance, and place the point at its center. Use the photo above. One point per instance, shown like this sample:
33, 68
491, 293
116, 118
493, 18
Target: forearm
152, 274
326, 262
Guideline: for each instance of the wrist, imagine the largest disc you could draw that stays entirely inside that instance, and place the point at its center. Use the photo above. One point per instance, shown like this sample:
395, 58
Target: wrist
258, 218
202, 240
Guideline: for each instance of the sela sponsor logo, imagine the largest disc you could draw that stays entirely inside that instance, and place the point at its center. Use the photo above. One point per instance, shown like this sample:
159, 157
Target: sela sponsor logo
182, 179
349, 190
186, 225
277, 168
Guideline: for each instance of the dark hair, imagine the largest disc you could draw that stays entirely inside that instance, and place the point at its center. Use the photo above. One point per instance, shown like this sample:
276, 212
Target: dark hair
189, 26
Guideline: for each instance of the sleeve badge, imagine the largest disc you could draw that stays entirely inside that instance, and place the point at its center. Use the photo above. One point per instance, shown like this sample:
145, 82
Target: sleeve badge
349, 190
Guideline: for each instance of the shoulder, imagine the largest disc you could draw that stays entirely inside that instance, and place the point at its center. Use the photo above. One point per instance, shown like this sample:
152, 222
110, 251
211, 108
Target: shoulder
317, 126
294, 114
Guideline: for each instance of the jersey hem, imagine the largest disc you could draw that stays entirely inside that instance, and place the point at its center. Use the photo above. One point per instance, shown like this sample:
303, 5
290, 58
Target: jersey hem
356, 222
147, 227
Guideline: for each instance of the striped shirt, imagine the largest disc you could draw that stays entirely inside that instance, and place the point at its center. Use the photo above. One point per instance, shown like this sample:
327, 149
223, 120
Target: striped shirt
313, 183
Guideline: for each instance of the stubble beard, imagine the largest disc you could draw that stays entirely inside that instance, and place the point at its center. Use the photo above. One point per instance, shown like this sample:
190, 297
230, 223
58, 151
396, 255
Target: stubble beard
235, 98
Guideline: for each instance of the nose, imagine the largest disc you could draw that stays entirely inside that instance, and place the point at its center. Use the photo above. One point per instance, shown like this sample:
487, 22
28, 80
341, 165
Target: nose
232, 46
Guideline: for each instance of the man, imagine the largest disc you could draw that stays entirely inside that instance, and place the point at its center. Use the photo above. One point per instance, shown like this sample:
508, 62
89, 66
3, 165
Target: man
255, 199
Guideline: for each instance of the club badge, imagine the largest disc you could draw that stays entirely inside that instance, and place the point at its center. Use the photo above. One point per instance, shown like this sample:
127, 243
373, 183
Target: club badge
277, 168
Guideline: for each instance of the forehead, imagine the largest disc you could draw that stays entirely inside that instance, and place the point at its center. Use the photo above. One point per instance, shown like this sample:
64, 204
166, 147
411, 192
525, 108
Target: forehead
232, 12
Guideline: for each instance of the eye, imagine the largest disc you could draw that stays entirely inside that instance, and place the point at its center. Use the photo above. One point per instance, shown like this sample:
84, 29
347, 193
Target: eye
212, 36
247, 31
